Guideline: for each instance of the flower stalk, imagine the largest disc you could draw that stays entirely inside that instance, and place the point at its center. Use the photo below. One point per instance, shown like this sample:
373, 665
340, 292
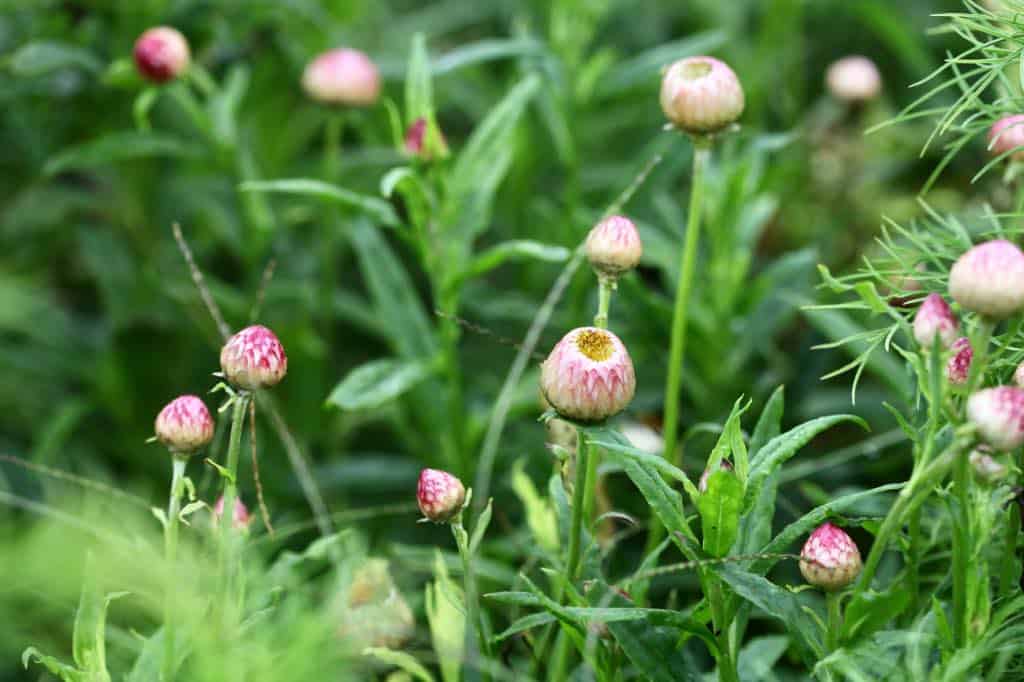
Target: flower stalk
227, 548
171, 556
584, 482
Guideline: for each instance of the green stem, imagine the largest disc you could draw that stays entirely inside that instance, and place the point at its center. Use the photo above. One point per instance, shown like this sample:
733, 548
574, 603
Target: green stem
835, 620
332, 146
727, 671
476, 638
913, 561
1008, 565
455, 432
961, 549
579, 495
171, 555
606, 285
230, 494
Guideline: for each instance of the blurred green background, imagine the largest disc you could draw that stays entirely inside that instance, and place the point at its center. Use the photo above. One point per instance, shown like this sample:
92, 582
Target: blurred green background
100, 324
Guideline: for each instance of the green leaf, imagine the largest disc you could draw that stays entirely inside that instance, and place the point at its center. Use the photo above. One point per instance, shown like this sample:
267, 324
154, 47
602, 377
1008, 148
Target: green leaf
54, 665
655, 652
419, 91
871, 610
643, 70
446, 615
373, 207
769, 424
486, 51
719, 509
540, 515
515, 250
400, 659
90, 633
375, 383
525, 623
42, 57
731, 441
480, 529
122, 146
759, 656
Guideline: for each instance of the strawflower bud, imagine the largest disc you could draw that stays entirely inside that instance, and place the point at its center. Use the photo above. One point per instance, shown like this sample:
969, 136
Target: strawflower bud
240, 519
1007, 134
934, 318
998, 415
986, 468
253, 358
854, 79
989, 279
184, 425
342, 76
702, 484
959, 365
440, 495
830, 558
1018, 375
643, 437
161, 54
701, 95
613, 246
589, 375
425, 141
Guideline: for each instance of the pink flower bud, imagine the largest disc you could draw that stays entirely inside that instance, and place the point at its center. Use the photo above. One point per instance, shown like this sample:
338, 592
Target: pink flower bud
1007, 134
342, 76
854, 79
425, 141
1018, 375
830, 558
184, 425
161, 54
701, 95
986, 468
934, 318
959, 365
989, 279
240, 519
613, 246
440, 495
702, 484
589, 375
998, 415
253, 358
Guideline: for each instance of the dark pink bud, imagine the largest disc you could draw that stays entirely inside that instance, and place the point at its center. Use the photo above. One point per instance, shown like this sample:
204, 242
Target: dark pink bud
830, 558
240, 519
253, 358
161, 54
440, 495
184, 425
425, 141
934, 318
959, 365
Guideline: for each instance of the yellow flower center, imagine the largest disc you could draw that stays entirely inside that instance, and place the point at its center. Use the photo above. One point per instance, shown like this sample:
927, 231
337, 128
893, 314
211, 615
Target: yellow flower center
595, 344
692, 71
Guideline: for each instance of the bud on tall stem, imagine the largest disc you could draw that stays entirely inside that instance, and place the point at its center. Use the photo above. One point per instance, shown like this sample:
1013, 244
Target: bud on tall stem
988, 279
161, 54
701, 95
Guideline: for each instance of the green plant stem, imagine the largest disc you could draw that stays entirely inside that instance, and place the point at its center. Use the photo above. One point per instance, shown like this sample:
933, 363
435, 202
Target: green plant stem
914, 560
171, 556
961, 548
1008, 565
476, 637
579, 495
230, 494
454, 435
835, 620
605, 286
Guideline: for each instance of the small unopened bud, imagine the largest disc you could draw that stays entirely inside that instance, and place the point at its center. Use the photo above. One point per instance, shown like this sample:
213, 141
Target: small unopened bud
161, 54
986, 468
998, 415
830, 558
702, 484
934, 318
253, 358
589, 375
342, 76
440, 495
1006, 135
989, 279
701, 95
1018, 375
613, 246
425, 141
854, 79
959, 366
184, 425
240, 519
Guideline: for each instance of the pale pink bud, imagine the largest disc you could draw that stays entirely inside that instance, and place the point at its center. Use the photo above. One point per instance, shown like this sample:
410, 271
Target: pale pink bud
1007, 134
253, 358
986, 468
934, 318
184, 425
854, 79
342, 76
830, 558
425, 141
959, 365
589, 375
161, 54
613, 246
701, 95
998, 415
1018, 375
643, 437
440, 495
240, 519
989, 279
702, 484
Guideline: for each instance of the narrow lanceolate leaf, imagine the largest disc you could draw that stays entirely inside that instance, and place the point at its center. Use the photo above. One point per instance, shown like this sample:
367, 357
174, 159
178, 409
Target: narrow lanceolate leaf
42, 57
519, 249
375, 383
402, 660
373, 207
116, 147
719, 508
419, 91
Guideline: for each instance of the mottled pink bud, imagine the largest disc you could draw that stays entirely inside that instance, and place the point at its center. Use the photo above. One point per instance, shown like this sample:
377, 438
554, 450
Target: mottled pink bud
702, 484
240, 519
589, 375
613, 246
854, 79
986, 468
425, 141
1007, 134
701, 95
184, 425
440, 495
989, 279
998, 415
934, 318
830, 558
342, 76
253, 358
1018, 375
161, 54
959, 365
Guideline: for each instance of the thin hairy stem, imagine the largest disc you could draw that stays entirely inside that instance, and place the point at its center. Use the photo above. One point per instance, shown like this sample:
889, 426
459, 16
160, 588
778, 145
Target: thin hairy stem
171, 554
